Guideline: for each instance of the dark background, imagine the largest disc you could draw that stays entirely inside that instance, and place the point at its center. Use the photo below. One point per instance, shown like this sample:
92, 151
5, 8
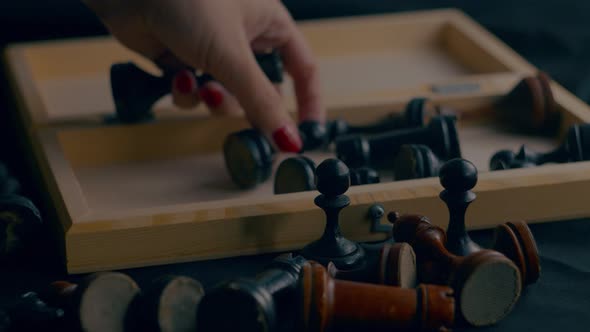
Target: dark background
552, 35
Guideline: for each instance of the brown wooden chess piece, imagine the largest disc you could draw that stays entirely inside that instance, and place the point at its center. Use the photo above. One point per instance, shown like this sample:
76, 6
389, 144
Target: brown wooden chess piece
486, 274
513, 239
336, 305
168, 304
99, 303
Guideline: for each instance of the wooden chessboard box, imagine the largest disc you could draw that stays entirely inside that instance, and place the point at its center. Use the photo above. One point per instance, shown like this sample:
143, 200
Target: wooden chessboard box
154, 193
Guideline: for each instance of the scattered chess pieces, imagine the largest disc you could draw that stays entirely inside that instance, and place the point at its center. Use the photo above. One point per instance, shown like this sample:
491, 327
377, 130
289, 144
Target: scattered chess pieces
136, 91
395, 266
380, 150
169, 304
337, 305
263, 304
575, 147
529, 107
332, 181
20, 225
297, 174
487, 284
415, 161
513, 239
99, 303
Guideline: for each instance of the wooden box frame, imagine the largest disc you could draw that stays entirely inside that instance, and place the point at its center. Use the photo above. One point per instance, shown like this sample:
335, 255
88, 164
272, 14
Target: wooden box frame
101, 239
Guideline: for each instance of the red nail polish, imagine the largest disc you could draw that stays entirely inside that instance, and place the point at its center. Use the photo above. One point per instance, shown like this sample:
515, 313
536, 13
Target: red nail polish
185, 82
212, 97
287, 139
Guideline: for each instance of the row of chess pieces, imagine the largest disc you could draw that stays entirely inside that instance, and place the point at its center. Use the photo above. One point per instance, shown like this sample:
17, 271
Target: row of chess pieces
423, 278
409, 144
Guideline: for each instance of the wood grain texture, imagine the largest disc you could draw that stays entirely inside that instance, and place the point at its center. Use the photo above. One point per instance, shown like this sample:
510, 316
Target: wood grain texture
115, 188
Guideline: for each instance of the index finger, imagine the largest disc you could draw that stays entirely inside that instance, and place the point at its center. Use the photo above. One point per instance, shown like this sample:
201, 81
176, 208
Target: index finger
300, 63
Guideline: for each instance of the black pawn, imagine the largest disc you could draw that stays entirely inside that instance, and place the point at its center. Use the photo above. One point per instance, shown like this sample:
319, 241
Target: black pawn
332, 181
363, 175
313, 134
458, 177
415, 161
248, 158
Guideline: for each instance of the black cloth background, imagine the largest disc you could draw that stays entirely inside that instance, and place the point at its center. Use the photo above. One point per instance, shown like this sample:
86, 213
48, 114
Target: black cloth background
552, 35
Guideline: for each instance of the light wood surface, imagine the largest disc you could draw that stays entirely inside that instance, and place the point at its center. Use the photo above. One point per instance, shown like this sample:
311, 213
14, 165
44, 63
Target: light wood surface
137, 195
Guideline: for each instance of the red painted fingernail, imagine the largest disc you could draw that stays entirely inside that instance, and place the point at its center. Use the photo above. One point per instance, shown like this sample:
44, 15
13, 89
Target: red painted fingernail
287, 139
185, 82
212, 97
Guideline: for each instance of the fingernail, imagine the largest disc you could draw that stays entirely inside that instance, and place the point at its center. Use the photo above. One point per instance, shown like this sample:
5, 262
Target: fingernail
287, 139
185, 82
211, 96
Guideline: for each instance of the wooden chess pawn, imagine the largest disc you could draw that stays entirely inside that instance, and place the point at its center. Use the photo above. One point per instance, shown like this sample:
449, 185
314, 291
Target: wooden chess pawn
415, 161
261, 304
99, 303
296, 174
513, 239
487, 284
380, 150
576, 147
394, 265
332, 181
136, 91
337, 305
169, 304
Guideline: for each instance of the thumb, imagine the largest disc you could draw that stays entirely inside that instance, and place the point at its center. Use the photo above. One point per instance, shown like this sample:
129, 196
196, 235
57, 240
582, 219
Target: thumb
239, 72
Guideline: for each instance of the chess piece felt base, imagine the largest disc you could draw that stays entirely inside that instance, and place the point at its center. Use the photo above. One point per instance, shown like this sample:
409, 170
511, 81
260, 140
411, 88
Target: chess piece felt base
248, 158
395, 265
515, 241
169, 304
327, 304
415, 161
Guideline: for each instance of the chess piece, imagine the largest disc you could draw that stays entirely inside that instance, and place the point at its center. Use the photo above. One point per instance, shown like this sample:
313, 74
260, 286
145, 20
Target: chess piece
296, 174
458, 177
336, 305
332, 181
576, 147
380, 150
415, 161
484, 274
248, 158
263, 304
169, 304
515, 240
529, 107
20, 225
99, 303
30, 313
136, 91
394, 265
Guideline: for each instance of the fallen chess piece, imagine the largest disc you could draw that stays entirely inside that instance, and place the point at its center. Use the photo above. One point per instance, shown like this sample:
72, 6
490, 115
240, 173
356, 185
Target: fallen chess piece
415, 161
487, 284
136, 91
261, 304
575, 147
380, 150
99, 303
169, 304
297, 174
513, 239
337, 305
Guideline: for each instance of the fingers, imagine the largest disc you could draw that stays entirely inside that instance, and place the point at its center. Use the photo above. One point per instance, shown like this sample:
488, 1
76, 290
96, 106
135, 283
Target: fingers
300, 64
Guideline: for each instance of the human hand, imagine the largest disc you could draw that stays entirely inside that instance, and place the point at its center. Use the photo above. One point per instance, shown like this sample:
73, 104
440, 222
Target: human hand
219, 37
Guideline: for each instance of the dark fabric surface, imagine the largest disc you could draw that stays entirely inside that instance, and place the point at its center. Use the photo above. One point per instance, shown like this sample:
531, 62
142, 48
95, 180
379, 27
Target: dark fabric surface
552, 35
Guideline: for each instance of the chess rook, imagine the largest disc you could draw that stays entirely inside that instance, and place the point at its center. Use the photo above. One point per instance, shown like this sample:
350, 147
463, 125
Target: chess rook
379, 151
332, 181
394, 265
263, 304
415, 161
485, 274
336, 305
575, 147
296, 174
